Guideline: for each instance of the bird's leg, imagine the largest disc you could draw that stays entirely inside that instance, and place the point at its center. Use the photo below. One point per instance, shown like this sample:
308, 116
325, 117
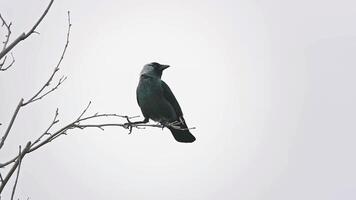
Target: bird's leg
130, 124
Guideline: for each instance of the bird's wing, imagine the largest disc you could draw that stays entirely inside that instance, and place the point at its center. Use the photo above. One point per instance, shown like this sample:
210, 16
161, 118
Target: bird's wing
168, 94
138, 102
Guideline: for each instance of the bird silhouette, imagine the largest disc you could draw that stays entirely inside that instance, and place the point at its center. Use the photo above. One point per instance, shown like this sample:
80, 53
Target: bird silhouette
157, 102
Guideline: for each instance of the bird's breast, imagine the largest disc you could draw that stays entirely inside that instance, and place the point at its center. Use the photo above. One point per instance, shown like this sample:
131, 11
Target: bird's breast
148, 93
148, 89
151, 100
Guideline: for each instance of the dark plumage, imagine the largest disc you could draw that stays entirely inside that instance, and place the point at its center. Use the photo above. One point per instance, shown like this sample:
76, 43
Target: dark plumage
157, 101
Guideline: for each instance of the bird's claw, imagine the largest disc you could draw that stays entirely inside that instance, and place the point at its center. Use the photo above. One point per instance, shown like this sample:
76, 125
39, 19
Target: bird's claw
128, 125
161, 124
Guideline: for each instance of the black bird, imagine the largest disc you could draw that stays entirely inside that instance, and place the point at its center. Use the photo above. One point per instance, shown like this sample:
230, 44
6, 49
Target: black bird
157, 102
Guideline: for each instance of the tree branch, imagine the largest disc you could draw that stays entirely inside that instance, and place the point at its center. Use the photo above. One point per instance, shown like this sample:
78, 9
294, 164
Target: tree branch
55, 120
17, 175
2, 68
23, 36
8, 29
39, 95
14, 167
7, 36
48, 136
11, 123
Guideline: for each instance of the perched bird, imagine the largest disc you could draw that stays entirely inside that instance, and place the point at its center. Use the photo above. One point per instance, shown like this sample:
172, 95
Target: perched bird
157, 102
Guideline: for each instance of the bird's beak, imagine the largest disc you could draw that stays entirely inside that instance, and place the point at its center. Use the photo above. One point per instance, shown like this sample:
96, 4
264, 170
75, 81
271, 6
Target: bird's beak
163, 67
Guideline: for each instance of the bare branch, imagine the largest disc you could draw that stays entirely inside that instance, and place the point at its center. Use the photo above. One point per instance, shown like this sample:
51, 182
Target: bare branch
55, 120
2, 165
39, 94
5, 49
47, 137
7, 36
8, 28
84, 111
14, 167
2, 68
17, 175
11, 123
97, 115
61, 80
23, 36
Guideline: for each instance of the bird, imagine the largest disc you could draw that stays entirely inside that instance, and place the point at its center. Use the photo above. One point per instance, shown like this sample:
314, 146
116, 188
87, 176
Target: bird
158, 103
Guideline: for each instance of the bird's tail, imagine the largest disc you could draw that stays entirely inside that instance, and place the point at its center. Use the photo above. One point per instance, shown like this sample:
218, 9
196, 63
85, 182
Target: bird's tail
182, 135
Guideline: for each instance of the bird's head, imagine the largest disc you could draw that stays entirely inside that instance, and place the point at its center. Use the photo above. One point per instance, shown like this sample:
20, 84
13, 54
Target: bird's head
153, 70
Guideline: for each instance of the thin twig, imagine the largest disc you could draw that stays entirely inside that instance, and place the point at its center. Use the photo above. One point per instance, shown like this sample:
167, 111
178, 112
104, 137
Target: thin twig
84, 111
2, 68
7, 36
96, 115
55, 120
17, 175
14, 167
8, 28
11, 123
38, 95
23, 36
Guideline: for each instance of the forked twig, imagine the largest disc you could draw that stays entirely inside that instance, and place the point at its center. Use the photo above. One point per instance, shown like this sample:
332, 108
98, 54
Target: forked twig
23, 36
39, 95
17, 175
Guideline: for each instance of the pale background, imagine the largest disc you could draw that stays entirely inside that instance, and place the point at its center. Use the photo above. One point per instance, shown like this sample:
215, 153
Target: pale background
270, 86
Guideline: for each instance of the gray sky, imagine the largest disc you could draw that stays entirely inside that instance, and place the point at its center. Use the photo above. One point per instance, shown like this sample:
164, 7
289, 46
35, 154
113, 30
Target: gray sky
269, 86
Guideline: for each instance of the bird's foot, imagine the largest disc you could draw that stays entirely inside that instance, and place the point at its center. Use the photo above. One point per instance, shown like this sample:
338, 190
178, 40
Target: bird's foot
128, 125
163, 125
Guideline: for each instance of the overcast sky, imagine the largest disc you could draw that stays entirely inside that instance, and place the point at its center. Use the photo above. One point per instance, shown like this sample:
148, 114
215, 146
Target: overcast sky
270, 86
